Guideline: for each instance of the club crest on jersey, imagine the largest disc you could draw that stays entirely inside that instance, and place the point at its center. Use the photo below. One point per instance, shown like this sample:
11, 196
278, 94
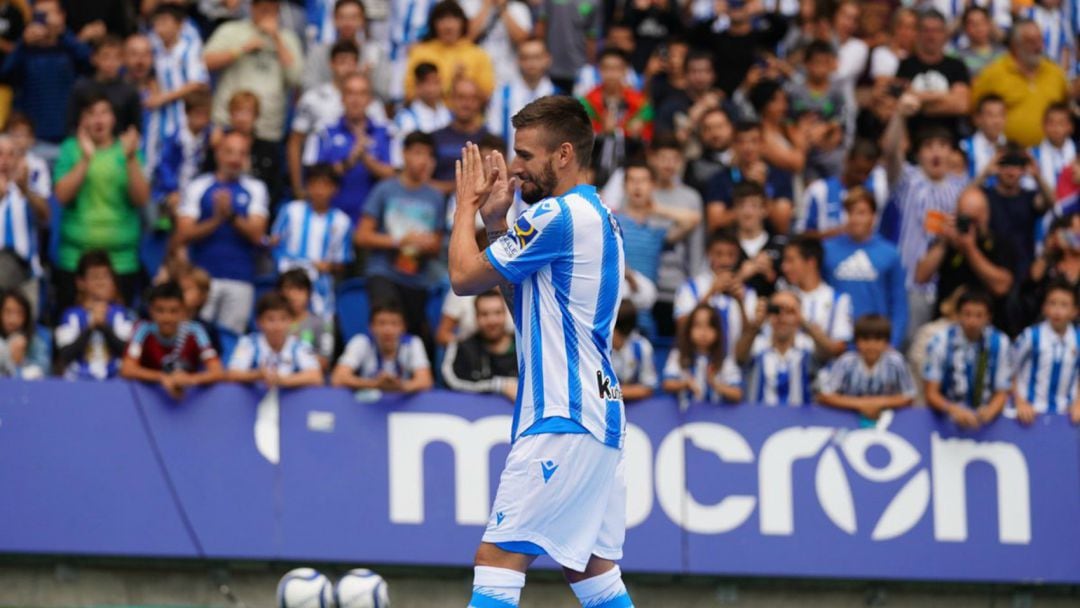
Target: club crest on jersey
524, 232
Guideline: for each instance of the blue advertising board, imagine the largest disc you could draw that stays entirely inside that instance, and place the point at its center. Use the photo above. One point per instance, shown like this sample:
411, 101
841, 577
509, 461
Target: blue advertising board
318, 475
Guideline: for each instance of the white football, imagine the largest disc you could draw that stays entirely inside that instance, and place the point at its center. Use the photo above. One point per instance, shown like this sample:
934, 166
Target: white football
362, 588
305, 588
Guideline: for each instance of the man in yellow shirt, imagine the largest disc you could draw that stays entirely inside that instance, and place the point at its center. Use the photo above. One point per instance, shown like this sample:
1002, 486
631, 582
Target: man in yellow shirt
1028, 82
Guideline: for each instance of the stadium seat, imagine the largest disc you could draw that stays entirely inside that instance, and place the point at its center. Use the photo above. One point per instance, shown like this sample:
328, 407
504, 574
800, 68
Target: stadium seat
435, 303
353, 308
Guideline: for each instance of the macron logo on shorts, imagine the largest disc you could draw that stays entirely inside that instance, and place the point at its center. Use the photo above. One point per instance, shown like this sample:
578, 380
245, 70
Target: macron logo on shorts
548, 468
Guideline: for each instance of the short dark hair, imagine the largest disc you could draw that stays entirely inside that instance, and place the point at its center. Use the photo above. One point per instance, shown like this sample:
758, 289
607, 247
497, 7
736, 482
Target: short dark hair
18, 119
611, 51
809, 248
639, 164
745, 126
357, 3
763, 93
933, 133
91, 99
344, 47
491, 293
745, 189
1060, 284
563, 120
389, 307
975, 296
1057, 107
665, 141
322, 171
722, 235
269, 302
168, 9
699, 55
818, 47
112, 41
424, 69
95, 258
988, 98
931, 15
493, 142
444, 9
297, 277
970, 10
626, 318
165, 291
866, 148
199, 99
419, 138
873, 327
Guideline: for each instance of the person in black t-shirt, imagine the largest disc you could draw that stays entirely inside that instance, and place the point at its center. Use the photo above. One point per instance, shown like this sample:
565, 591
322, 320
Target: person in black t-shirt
969, 254
942, 83
485, 362
1014, 209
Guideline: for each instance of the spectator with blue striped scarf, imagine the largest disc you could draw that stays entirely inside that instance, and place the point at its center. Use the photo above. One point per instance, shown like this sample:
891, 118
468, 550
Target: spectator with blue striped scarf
391, 360
1046, 357
699, 368
872, 378
272, 355
967, 375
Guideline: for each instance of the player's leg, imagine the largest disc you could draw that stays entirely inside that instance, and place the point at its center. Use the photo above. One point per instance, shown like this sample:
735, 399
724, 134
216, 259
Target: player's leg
600, 585
499, 577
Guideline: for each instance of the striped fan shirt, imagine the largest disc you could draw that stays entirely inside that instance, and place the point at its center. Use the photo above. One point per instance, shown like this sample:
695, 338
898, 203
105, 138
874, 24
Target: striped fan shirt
1047, 364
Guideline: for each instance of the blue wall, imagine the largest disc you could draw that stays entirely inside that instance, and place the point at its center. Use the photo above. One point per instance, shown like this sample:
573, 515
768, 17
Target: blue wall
119, 469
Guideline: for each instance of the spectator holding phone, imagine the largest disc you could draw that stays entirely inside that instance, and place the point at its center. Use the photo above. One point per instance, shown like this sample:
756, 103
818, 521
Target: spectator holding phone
968, 253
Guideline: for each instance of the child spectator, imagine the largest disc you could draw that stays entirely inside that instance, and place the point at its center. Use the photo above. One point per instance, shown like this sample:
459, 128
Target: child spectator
780, 360
1057, 150
194, 284
29, 352
21, 132
967, 374
426, 112
699, 368
182, 157
485, 362
222, 220
1046, 359
91, 336
826, 312
390, 361
272, 355
315, 237
761, 252
178, 65
170, 350
647, 226
719, 287
107, 60
872, 378
317, 331
632, 356
244, 109
402, 230
823, 101
981, 147
823, 202
22, 212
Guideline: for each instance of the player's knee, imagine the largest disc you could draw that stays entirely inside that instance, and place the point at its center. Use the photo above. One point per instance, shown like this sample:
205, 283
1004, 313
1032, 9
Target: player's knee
595, 567
491, 555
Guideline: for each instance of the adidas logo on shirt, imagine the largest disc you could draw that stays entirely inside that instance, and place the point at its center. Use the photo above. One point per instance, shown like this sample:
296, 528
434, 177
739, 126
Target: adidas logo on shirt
857, 267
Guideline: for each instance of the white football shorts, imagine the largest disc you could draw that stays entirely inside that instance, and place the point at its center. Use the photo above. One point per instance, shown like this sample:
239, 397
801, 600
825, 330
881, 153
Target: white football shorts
564, 493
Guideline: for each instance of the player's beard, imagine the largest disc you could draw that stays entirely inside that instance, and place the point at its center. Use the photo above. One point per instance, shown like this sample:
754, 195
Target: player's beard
536, 188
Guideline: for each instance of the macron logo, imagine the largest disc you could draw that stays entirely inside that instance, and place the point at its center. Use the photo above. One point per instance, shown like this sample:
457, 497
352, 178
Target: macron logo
857, 267
499, 517
548, 469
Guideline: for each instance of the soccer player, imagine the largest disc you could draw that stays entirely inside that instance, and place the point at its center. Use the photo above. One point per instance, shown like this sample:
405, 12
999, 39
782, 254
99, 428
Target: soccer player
566, 457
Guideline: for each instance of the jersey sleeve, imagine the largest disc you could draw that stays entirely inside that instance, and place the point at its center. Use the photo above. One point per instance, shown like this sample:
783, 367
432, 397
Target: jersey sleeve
135, 346
842, 327
305, 358
830, 377
1003, 371
729, 373
243, 356
416, 355
203, 344
537, 238
189, 203
933, 369
357, 351
647, 365
672, 369
904, 380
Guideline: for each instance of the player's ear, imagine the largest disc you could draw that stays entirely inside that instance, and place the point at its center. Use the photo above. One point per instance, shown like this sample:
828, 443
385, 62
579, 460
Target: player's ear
566, 155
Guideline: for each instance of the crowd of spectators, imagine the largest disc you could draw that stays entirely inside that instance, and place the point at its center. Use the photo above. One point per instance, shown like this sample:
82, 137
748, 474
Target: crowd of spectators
806, 189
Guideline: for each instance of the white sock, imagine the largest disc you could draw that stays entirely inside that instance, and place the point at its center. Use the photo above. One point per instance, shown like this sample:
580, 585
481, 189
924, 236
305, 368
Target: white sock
603, 591
496, 587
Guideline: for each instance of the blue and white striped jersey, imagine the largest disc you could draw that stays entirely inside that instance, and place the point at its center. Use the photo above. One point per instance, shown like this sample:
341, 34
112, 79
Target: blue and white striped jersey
417, 116
781, 378
508, 99
979, 151
305, 237
728, 373
850, 376
1056, 31
694, 291
823, 201
364, 358
565, 254
829, 309
18, 228
1053, 160
408, 25
956, 363
175, 68
1046, 365
633, 363
254, 352
914, 196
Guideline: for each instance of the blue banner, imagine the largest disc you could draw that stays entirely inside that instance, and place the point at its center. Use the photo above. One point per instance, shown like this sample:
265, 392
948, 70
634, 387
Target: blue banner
317, 475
